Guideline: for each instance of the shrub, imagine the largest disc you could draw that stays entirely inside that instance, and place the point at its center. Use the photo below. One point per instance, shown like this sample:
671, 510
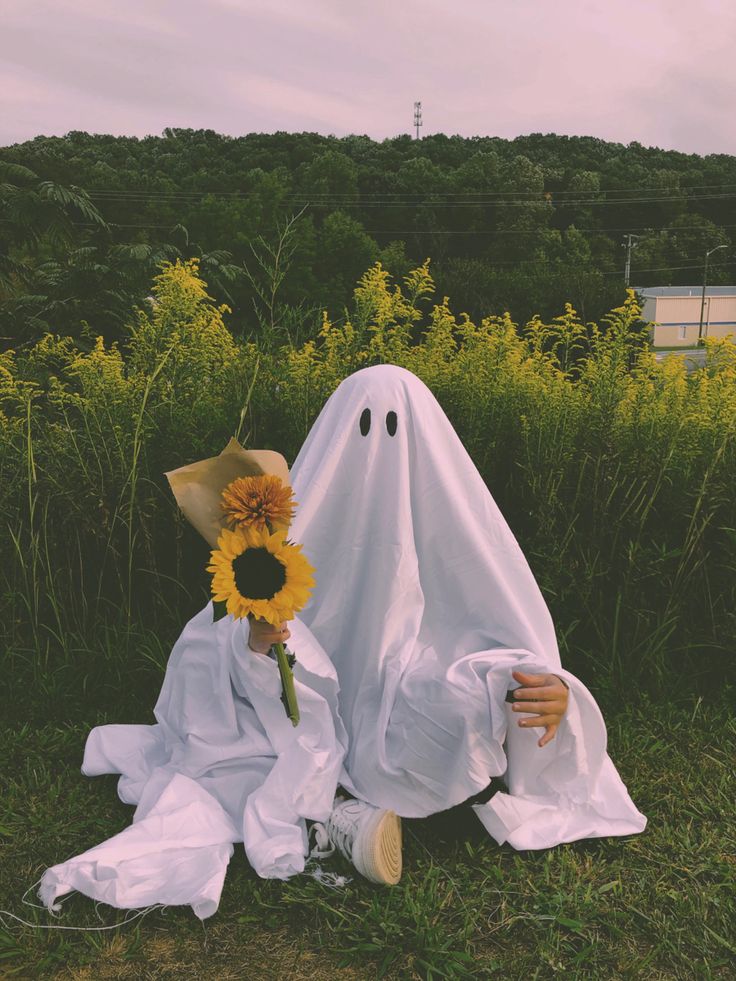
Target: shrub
613, 470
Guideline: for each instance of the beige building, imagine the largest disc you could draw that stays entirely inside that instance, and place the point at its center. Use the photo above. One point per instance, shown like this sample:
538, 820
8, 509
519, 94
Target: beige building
674, 313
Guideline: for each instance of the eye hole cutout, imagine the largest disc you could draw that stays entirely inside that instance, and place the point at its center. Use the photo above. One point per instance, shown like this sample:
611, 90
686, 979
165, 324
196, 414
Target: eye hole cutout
391, 422
365, 421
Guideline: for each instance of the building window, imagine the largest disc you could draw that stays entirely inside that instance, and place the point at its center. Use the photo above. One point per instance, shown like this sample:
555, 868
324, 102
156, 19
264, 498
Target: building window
683, 332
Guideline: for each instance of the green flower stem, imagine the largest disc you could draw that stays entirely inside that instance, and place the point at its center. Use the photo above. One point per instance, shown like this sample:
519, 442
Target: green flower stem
288, 693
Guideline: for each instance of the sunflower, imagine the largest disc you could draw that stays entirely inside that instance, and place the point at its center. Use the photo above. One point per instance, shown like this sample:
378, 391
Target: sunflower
255, 571
260, 502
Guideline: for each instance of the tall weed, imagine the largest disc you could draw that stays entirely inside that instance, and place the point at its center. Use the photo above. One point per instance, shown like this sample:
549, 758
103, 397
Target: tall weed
615, 471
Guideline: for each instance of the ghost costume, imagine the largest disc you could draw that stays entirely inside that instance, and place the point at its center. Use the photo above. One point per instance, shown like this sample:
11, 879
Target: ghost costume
222, 764
425, 603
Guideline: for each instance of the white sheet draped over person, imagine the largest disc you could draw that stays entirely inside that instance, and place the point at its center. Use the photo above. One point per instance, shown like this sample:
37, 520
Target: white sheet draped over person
222, 764
426, 604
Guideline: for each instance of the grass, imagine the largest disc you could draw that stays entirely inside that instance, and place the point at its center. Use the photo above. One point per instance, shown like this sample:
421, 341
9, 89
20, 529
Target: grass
656, 905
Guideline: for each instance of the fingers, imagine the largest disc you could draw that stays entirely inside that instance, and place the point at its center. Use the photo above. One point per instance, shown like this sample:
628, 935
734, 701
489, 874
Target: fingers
264, 634
541, 687
277, 634
533, 680
549, 734
540, 721
546, 697
547, 707
537, 695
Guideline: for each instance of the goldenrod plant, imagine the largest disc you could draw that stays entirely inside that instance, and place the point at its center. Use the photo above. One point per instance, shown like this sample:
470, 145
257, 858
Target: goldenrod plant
615, 470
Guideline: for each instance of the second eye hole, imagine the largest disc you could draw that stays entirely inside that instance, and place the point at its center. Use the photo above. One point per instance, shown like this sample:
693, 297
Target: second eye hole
365, 422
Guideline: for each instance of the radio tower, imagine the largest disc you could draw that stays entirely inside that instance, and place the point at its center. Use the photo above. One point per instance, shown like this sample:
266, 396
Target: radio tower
417, 116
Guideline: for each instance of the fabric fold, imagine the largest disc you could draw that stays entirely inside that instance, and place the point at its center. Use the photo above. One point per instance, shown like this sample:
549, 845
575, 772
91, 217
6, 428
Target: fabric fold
564, 791
303, 779
425, 603
178, 853
222, 764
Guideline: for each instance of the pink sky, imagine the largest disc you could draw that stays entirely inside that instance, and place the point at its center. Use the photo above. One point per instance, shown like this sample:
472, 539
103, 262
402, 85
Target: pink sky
661, 72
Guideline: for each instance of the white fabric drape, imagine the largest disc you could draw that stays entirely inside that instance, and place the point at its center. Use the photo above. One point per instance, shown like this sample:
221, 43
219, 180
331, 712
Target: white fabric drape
426, 603
222, 764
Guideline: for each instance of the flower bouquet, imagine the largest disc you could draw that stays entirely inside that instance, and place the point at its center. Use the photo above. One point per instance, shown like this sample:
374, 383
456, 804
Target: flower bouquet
240, 502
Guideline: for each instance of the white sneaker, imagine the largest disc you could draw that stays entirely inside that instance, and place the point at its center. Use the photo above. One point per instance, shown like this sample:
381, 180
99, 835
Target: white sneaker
368, 836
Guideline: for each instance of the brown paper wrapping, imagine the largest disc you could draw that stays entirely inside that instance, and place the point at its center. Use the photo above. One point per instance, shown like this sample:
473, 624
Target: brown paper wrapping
198, 487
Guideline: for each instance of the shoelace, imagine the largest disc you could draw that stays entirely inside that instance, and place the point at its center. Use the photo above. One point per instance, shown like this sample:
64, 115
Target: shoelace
341, 830
323, 847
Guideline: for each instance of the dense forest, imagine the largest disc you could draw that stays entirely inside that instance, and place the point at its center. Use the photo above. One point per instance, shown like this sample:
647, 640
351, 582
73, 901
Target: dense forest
285, 223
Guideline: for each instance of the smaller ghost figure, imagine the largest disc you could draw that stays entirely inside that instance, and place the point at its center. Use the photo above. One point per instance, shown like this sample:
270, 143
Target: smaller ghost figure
430, 614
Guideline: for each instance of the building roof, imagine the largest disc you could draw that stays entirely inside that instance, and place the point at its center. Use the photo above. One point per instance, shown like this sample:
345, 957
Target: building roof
652, 291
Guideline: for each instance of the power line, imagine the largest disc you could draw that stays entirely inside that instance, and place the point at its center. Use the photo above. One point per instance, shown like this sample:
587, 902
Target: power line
512, 203
617, 272
385, 202
440, 231
407, 194
503, 262
533, 231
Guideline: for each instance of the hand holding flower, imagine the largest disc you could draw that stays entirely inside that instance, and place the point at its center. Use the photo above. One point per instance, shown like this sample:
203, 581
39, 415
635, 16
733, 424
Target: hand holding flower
264, 635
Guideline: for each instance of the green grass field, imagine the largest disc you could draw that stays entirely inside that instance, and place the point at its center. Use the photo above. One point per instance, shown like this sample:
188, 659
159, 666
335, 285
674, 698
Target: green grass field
656, 905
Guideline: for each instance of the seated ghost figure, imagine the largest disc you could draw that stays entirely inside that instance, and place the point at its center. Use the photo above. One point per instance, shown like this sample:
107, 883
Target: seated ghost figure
426, 604
423, 611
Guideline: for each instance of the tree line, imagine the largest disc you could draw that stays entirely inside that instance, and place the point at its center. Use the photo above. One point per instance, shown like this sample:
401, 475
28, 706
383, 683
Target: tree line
284, 223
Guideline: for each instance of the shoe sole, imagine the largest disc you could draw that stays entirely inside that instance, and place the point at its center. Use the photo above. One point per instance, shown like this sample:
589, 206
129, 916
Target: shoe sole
379, 849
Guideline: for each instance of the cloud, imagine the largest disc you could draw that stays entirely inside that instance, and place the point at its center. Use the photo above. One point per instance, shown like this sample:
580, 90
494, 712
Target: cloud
284, 99
622, 72
91, 59
310, 18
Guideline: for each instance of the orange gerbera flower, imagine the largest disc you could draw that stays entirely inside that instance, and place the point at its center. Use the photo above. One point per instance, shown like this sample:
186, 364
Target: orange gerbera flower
260, 502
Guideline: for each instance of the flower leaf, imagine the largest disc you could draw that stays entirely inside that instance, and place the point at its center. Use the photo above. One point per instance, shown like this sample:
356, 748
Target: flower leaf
220, 609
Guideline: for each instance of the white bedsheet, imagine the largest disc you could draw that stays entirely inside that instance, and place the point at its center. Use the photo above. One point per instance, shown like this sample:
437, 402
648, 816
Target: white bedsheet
425, 602
222, 764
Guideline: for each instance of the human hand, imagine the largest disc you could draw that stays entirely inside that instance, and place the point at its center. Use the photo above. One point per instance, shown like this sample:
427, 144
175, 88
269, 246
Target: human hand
263, 634
545, 694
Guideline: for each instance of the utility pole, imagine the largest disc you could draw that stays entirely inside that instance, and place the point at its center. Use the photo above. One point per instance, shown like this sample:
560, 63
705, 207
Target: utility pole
629, 244
705, 279
417, 116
